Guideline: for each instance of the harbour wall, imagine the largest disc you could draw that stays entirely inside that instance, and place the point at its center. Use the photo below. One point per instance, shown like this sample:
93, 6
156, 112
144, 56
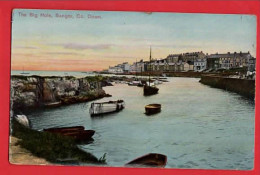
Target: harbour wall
38, 91
243, 87
190, 74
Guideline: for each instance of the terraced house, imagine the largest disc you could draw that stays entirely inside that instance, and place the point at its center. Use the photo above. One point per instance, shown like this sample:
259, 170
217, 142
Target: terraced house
229, 60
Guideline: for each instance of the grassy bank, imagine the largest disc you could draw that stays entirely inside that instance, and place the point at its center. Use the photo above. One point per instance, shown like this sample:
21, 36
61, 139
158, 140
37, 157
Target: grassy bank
52, 147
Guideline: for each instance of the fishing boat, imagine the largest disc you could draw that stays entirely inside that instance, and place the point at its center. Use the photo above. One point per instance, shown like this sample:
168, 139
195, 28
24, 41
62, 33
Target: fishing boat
152, 109
76, 132
65, 129
148, 89
80, 135
151, 160
106, 107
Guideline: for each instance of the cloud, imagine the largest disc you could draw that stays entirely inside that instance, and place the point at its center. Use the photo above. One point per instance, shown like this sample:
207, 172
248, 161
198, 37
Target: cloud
62, 53
26, 47
78, 46
118, 56
175, 45
25, 54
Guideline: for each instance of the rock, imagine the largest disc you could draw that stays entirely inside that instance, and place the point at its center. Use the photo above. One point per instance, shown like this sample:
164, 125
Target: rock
35, 91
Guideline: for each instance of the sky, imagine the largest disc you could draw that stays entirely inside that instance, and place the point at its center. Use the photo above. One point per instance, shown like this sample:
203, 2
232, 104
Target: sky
62, 40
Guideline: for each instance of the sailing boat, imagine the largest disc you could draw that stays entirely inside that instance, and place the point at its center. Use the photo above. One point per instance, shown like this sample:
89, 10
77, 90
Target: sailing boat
148, 89
24, 72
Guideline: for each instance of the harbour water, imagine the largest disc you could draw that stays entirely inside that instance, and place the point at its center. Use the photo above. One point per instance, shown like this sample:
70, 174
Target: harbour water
199, 127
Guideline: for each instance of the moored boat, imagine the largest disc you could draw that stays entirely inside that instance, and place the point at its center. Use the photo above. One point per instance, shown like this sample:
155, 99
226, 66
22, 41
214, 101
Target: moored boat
65, 129
52, 104
150, 90
76, 132
22, 119
152, 109
151, 160
80, 135
106, 107
134, 83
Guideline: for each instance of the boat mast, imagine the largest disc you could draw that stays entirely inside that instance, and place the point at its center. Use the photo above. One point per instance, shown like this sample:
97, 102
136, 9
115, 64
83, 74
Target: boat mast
136, 68
150, 65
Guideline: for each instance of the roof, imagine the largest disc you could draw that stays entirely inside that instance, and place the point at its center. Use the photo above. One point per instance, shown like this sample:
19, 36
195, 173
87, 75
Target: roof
228, 55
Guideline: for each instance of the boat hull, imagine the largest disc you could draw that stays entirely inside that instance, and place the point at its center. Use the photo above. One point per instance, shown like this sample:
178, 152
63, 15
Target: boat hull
81, 135
65, 129
152, 109
150, 160
97, 109
149, 90
77, 132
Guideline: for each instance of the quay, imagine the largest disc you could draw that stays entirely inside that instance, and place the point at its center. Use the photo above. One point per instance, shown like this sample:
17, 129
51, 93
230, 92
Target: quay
244, 87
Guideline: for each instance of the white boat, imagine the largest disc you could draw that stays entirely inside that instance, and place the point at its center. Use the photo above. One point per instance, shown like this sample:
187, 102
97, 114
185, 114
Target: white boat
134, 83
22, 119
156, 82
106, 107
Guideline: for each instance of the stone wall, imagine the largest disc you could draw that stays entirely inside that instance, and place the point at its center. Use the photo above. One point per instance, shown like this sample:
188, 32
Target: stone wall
37, 91
243, 87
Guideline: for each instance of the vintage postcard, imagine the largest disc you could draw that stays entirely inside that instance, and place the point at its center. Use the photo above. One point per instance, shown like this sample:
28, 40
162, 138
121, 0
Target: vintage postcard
132, 89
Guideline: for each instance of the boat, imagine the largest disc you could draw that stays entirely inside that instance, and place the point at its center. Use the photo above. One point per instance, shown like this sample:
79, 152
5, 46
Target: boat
106, 107
148, 89
65, 129
24, 73
150, 160
76, 132
134, 83
23, 120
52, 104
152, 109
80, 135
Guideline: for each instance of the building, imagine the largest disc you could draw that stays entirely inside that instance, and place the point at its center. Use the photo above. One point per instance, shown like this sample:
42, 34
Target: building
251, 64
115, 70
125, 67
172, 58
228, 60
138, 66
200, 64
191, 56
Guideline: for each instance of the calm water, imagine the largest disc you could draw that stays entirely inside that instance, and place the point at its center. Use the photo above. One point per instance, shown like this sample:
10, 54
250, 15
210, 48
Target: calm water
199, 126
52, 73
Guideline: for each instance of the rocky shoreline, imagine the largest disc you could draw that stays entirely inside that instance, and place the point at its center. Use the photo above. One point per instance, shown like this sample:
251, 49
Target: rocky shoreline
50, 91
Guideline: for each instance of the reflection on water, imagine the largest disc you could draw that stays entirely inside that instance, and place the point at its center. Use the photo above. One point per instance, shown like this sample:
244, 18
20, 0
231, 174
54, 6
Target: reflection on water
199, 126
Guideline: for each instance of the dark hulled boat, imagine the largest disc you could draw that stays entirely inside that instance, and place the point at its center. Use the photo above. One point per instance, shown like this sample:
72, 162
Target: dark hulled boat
152, 109
65, 129
151, 160
80, 135
76, 132
148, 89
